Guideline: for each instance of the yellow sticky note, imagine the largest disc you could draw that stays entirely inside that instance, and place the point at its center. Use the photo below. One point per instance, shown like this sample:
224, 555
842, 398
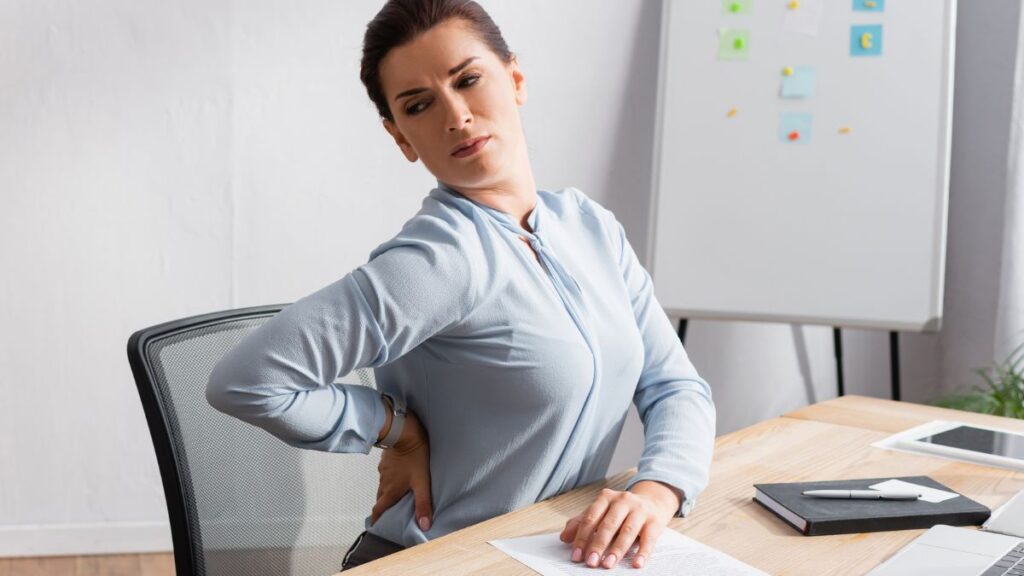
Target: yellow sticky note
794, 4
865, 41
787, 71
731, 113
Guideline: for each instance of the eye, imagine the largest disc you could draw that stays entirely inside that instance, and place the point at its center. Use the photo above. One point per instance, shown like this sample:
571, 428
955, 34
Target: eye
466, 80
414, 109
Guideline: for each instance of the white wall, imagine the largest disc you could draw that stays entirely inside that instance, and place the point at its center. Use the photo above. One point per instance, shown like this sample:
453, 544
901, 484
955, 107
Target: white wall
159, 160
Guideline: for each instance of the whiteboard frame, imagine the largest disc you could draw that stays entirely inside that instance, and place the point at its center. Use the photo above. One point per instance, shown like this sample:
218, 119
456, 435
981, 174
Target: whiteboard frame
934, 323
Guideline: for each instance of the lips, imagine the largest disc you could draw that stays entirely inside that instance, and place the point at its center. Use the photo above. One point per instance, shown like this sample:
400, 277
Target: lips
467, 147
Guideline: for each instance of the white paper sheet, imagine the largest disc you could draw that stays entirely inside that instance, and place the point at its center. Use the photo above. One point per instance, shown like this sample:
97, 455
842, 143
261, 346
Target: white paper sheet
674, 554
928, 494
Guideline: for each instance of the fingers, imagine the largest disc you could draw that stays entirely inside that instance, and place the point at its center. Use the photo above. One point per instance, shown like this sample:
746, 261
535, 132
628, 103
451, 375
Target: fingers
385, 500
606, 531
587, 525
648, 537
597, 553
421, 497
628, 532
571, 526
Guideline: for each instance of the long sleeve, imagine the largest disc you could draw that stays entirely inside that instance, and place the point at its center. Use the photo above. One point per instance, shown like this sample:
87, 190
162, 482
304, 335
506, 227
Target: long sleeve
281, 377
673, 401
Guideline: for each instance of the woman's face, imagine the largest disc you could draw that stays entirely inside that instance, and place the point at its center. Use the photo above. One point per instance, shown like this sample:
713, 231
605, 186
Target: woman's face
447, 87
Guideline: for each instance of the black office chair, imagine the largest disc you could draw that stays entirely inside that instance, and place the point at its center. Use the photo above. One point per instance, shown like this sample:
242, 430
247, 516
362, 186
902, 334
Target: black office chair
240, 501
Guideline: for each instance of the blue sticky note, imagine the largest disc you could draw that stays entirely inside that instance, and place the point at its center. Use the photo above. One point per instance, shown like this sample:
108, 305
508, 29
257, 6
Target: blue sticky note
866, 40
869, 5
795, 127
800, 84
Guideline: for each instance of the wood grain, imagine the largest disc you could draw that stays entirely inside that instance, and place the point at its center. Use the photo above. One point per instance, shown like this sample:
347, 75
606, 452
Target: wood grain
889, 416
828, 441
106, 565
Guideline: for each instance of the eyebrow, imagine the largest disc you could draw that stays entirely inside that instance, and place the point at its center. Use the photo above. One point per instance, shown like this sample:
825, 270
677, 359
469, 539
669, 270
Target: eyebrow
451, 72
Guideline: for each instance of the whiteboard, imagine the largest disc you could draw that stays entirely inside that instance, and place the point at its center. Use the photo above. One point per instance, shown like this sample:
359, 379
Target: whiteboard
843, 224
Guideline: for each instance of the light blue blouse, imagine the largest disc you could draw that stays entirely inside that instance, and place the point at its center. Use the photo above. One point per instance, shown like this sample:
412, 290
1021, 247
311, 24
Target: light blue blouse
521, 367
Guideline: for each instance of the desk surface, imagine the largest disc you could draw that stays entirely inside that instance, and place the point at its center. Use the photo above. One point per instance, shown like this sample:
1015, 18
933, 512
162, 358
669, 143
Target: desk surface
826, 441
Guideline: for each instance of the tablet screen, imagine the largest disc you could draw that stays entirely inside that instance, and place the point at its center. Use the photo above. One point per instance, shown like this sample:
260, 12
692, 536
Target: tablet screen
980, 440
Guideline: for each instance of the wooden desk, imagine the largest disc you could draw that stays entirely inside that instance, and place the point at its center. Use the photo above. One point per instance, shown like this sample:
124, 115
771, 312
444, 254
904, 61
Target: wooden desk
888, 416
830, 440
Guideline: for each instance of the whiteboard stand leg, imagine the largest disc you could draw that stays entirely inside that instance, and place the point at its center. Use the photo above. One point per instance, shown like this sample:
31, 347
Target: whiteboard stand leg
894, 361
837, 345
682, 331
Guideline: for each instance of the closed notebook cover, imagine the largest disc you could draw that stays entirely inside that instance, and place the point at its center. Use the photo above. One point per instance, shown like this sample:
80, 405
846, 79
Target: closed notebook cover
832, 516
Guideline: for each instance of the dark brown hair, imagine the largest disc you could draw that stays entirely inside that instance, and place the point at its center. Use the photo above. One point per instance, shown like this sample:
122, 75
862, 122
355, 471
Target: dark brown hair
401, 21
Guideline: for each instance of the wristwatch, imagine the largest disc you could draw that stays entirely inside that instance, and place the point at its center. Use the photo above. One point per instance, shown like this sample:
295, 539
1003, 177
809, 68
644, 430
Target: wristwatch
397, 422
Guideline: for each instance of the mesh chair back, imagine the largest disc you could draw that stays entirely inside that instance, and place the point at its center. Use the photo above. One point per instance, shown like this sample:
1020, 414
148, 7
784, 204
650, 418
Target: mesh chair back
240, 501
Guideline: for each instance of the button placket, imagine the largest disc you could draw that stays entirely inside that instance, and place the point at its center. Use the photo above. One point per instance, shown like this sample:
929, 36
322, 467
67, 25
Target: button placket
571, 295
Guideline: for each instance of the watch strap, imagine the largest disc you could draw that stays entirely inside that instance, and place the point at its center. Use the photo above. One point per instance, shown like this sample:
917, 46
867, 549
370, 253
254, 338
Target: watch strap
397, 423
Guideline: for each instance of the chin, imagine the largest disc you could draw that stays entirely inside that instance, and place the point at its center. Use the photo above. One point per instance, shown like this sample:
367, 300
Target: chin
477, 175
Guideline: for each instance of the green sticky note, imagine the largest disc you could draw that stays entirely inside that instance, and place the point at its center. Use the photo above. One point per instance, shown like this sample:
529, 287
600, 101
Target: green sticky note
733, 44
737, 6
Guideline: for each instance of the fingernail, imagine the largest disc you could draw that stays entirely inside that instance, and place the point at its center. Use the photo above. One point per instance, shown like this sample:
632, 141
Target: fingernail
592, 559
577, 554
640, 561
609, 560
424, 523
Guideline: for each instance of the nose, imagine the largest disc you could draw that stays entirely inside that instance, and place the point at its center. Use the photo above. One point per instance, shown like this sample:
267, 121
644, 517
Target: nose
459, 114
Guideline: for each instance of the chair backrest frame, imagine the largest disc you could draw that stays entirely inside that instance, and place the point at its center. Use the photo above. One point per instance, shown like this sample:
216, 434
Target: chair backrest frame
174, 465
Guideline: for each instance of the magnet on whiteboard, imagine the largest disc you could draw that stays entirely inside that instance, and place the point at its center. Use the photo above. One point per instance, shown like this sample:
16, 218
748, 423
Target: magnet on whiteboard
735, 7
844, 130
870, 4
787, 71
731, 113
794, 4
793, 136
865, 41
738, 43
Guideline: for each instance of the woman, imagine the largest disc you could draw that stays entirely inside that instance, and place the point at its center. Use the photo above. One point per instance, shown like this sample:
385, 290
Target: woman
514, 325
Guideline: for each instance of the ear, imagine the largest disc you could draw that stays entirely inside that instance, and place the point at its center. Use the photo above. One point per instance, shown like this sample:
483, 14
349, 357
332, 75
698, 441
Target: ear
403, 144
518, 80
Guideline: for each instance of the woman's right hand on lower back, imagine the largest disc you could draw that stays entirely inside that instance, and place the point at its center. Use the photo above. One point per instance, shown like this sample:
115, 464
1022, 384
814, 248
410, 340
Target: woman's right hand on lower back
404, 467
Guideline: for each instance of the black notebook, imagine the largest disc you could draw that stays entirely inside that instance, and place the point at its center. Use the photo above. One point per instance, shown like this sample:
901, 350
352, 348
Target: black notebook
820, 516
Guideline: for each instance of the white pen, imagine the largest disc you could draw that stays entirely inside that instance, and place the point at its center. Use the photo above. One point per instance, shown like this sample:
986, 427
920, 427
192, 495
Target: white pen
862, 494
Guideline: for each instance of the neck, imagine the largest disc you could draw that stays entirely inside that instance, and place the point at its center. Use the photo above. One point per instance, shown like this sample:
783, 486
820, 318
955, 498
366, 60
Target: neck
515, 197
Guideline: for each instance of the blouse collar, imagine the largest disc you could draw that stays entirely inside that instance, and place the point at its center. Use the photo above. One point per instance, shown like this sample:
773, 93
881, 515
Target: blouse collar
502, 217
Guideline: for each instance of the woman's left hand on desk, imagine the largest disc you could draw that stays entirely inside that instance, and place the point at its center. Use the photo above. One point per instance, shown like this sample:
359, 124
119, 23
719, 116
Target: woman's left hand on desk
607, 529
